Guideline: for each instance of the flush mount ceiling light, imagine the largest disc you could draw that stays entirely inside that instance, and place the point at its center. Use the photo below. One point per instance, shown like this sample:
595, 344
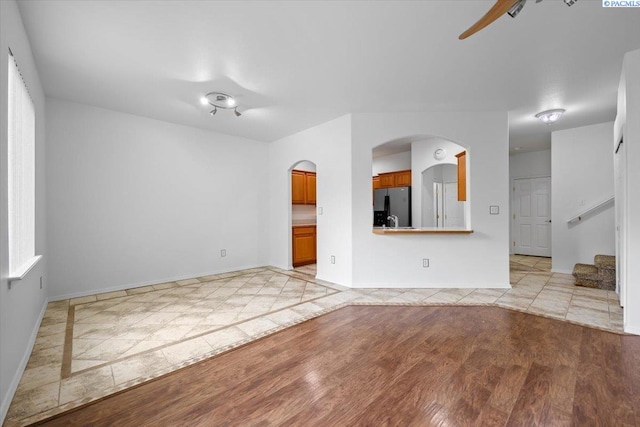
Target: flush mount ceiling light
550, 116
220, 100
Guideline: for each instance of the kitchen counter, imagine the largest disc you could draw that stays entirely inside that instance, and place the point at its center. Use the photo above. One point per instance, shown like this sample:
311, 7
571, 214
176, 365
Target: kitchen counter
420, 230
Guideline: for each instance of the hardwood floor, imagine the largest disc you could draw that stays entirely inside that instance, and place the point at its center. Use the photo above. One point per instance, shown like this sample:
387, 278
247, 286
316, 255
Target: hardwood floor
377, 365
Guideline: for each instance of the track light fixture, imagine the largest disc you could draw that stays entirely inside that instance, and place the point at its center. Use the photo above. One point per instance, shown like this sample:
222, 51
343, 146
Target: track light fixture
516, 8
569, 2
220, 100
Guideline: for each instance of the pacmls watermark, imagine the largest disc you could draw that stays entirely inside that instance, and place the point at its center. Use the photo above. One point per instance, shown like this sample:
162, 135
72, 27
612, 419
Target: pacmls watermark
620, 3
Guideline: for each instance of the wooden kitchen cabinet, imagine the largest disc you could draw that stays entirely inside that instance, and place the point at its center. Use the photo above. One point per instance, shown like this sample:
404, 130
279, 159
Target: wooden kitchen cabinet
387, 180
394, 179
304, 245
303, 187
376, 182
403, 179
462, 176
310, 182
297, 187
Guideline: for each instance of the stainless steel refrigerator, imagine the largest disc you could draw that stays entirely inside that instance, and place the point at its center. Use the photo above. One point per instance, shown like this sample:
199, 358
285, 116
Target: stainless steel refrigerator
393, 201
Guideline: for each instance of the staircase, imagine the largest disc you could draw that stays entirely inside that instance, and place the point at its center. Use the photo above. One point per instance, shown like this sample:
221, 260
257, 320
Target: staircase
601, 275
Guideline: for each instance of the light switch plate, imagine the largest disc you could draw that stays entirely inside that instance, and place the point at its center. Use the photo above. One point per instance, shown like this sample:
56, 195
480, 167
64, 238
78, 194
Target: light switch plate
494, 210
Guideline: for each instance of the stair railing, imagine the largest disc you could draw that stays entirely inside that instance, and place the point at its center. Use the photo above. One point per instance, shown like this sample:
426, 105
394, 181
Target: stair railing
587, 212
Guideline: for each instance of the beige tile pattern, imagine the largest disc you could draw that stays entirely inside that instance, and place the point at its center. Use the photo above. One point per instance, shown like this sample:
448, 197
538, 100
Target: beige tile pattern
105, 333
122, 338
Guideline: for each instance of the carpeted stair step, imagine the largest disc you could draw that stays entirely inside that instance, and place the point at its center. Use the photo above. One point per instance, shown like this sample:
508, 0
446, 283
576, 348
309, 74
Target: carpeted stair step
586, 275
606, 265
606, 262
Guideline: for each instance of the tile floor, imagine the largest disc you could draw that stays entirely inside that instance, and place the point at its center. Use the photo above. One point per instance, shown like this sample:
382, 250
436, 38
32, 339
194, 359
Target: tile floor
310, 269
93, 346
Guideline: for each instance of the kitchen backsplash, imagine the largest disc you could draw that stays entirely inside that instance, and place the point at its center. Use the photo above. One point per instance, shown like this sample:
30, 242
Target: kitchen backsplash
303, 214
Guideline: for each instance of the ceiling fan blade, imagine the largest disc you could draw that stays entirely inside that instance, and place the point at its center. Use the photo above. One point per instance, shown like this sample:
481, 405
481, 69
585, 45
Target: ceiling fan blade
500, 8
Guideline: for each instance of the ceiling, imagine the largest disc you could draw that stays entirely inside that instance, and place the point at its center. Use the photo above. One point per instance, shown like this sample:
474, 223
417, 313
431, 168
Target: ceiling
296, 64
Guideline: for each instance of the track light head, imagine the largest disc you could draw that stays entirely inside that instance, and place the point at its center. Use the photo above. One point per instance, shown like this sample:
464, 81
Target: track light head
516, 8
236, 112
214, 111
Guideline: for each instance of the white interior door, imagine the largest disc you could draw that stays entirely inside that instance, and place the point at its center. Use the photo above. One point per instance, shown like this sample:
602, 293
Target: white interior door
453, 209
437, 204
532, 216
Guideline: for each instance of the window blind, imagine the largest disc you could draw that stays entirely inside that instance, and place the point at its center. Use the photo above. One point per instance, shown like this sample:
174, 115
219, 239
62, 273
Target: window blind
21, 169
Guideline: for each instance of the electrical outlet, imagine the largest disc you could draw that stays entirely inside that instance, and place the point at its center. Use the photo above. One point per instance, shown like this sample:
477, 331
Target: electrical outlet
319, 210
425, 262
223, 253
333, 259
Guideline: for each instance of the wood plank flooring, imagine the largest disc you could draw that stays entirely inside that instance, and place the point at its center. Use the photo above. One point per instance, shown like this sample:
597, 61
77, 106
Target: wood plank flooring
369, 365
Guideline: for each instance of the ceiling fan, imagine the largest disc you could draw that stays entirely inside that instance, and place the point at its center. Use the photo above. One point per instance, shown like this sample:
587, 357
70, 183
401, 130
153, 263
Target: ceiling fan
512, 7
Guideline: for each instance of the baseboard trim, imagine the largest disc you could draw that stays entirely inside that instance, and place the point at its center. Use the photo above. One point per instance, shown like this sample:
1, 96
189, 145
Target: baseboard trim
147, 283
555, 270
431, 286
632, 330
6, 402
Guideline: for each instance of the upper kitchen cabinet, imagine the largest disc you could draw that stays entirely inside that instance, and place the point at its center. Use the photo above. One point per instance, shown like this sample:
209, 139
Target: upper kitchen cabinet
403, 179
395, 179
376, 182
298, 187
310, 182
303, 187
462, 176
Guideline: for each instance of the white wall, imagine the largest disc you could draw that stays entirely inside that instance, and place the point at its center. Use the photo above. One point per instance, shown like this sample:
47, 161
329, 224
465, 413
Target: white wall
21, 307
329, 147
582, 170
391, 163
530, 165
305, 166
477, 260
136, 201
627, 124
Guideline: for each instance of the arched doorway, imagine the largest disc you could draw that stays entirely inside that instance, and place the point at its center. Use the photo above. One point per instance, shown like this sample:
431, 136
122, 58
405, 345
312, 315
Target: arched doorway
303, 217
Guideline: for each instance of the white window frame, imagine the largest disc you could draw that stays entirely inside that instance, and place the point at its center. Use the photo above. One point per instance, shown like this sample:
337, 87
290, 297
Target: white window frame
21, 160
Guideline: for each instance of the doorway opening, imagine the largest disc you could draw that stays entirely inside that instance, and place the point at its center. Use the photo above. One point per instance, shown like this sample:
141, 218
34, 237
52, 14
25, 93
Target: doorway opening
531, 229
303, 217
621, 188
441, 207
